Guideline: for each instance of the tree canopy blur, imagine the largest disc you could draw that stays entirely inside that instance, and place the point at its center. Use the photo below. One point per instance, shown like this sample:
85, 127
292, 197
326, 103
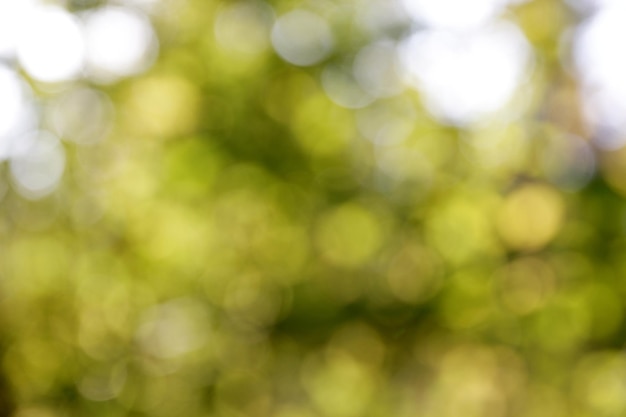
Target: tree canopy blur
331, 208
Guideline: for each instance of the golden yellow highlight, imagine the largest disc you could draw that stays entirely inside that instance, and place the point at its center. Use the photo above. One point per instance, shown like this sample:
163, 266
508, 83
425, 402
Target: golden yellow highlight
530, 217
162, 106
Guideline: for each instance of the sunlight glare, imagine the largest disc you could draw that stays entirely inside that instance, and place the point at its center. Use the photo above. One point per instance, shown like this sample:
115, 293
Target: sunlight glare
15, 108
50, 46
602, 67
466, 77
453, 14
13, 17
120, 42
11, 100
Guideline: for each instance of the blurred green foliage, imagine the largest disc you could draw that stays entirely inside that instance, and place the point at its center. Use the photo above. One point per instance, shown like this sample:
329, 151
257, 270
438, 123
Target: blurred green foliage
235, 247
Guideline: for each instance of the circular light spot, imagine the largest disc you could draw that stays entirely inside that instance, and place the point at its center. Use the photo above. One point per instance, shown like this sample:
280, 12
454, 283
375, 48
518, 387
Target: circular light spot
404, 163
460, 228
466, 77
321, 127
120, 42
375, 69
348, 235
103, 385
569, 162
51, 45
338, 385
163, 105
174, 328
379, 17
341, 87
37, 164
530, 217
302, 38
82, 115
525, 285
244, 27
386, 123
599, 384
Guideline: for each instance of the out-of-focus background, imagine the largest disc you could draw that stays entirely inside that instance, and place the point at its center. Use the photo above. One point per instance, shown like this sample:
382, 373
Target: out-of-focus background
329, 208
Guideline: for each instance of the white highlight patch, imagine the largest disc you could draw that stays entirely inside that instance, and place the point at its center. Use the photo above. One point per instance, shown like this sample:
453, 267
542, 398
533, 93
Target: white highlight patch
16, 109
454, 14
37, 164
174, 328
302, 38
14, 16
82, 115
601, 65
51, 46
465, 77
120, 42
376, 69
341, 87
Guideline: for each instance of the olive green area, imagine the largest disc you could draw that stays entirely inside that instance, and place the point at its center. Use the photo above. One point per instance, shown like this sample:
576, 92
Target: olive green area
235, 247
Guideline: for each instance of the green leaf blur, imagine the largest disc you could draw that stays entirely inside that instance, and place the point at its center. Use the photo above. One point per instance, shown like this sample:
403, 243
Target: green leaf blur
255, 236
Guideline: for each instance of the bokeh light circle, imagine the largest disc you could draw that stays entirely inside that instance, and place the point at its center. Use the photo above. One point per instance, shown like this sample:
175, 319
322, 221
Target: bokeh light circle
376, 68
466, 77
120, 42
37, 164
51, 46
302, 38
82, 115
244, 27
